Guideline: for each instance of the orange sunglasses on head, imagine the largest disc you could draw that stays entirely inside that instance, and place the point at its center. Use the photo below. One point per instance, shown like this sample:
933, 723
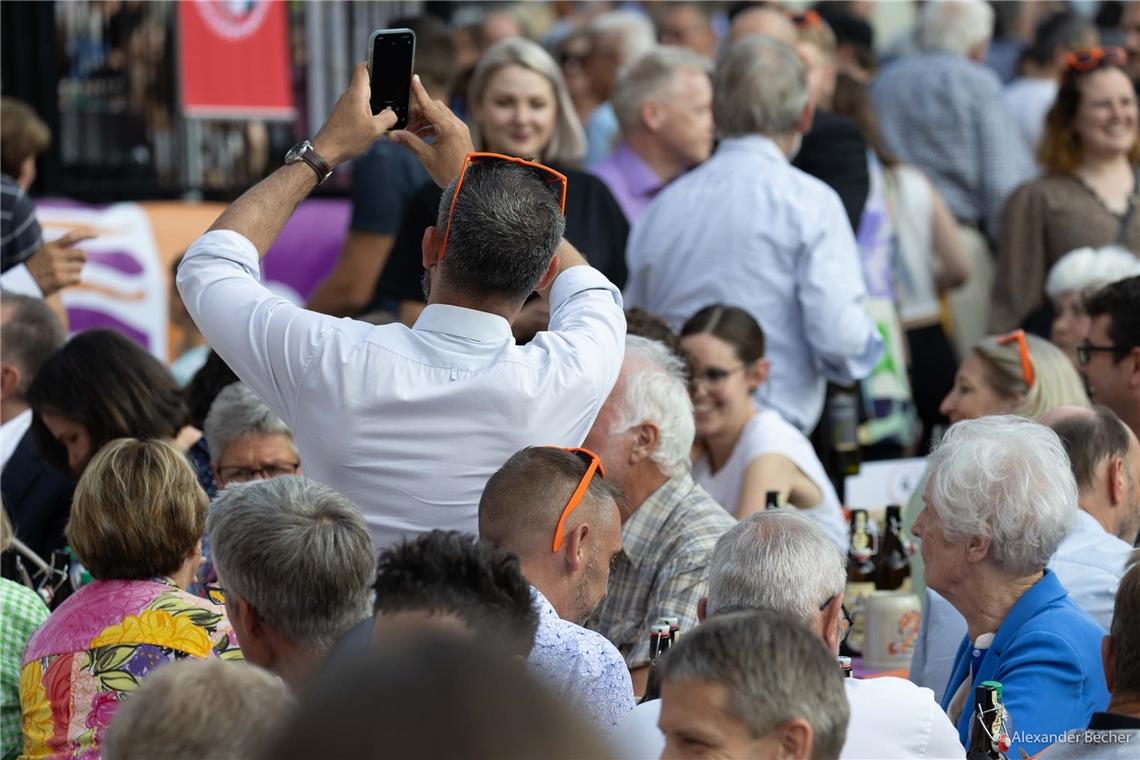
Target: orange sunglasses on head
594, 464
1027, 372
548, 174
802, 20
1092, 58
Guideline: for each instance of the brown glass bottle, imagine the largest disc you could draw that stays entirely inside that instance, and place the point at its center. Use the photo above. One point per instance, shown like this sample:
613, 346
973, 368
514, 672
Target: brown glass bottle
988, 734
893, 573
860, 578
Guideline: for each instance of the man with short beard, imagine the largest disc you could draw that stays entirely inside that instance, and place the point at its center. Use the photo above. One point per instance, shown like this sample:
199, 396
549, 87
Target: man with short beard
555, 510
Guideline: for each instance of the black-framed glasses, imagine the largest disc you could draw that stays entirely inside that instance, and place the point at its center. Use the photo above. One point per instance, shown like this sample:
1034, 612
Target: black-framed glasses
1085, 350
271, 470
215, 593
714, 376
845, 623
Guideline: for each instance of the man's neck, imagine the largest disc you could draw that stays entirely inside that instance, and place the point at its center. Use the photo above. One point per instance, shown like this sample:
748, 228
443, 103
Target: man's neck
10, 409
448, 297
297, 665
664, 163
1124, 704
1097, 506
640, 485
543, 578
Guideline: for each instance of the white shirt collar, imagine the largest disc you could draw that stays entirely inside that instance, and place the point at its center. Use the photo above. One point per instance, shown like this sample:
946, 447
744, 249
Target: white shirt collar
758, 144
461, 322
11, 433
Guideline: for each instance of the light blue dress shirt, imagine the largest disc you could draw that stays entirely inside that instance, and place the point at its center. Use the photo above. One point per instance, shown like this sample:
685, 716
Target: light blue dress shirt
585, 668
602, 130
748, 229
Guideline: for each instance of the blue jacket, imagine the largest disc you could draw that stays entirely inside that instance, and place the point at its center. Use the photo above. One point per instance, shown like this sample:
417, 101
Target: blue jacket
1046, 654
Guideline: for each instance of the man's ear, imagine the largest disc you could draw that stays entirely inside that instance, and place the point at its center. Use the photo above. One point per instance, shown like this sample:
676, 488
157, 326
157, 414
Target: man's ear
549, 275
1108, 661
829, 620
652, 115
9, 380
1134, 378
977, 548
429, 246
807, 116
795, 739
648, 436
1117, 478
702, 609
574, 547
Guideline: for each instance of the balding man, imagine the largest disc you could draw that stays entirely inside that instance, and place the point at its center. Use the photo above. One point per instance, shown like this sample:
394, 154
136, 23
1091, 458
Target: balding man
554, 509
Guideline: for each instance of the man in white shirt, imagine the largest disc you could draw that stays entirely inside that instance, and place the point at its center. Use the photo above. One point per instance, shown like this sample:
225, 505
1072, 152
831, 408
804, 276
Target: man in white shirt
1089, 563
782, 562
554, 509
746, 228
409, 424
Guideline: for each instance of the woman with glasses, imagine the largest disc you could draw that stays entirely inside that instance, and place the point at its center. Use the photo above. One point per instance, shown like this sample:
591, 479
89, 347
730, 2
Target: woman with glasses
136, 524
1091, 154
743, 455
519, 106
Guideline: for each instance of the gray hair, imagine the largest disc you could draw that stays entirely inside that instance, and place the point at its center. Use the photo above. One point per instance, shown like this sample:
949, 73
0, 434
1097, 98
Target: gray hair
1087, 269
779, 561
654, 390
242, 705
1008, 479
652, 77
568, 140
29, 336
955, 26
237, 412
774, 670
637, 34
760, 87
298, 552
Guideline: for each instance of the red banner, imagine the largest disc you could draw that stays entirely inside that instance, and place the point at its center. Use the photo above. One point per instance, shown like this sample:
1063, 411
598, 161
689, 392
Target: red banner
234, 59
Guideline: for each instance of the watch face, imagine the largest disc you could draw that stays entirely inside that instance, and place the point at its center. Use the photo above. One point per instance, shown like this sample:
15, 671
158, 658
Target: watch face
295, 152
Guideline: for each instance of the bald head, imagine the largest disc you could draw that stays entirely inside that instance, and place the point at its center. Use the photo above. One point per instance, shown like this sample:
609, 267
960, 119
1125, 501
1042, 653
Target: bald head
765, 22
1066, 413
523, 500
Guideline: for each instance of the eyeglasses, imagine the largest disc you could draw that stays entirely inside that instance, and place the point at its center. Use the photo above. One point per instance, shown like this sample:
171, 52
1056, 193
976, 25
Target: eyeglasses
714, 376
1094, 58
215, 594
1085, 351
804, 20
244, 474
845, 623
593, 464
545, 172
1027, 372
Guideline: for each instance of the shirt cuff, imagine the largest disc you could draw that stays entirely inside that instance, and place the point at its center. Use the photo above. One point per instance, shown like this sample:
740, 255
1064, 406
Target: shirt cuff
228, 245
577, 279
19, 280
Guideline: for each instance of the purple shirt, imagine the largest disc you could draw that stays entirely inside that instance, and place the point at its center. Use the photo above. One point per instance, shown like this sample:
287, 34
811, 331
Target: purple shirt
632, 182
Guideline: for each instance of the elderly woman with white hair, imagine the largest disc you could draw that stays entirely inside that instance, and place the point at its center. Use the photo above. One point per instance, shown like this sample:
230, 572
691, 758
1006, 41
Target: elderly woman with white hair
1000, 499
1075, 274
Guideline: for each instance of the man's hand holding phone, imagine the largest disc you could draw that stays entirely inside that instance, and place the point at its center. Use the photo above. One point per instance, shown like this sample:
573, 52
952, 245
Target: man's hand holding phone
443, 157
351, 128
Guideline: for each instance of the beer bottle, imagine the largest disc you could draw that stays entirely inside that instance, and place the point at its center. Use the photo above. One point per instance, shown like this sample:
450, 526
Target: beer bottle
772, 500
860, 577
846, 666
674, 624
894, 557
843, 421
989, 738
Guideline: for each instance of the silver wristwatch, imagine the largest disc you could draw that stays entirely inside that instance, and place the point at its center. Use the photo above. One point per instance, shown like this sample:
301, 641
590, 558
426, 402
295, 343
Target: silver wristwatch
304, 151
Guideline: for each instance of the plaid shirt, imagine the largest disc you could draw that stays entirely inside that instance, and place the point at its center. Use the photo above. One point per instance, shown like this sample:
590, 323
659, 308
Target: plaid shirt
661, 572
21, 613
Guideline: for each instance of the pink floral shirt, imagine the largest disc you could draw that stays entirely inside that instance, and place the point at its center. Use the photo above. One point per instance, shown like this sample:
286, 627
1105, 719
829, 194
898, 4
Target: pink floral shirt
93, 651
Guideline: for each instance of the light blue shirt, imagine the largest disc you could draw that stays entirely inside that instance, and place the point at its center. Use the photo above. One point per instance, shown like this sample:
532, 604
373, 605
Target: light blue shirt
1089, 563
748, 229
582, 665
601, 134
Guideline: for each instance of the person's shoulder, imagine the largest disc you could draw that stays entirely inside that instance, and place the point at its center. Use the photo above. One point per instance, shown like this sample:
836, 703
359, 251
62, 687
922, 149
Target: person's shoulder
702, 514
893, 717
21, 603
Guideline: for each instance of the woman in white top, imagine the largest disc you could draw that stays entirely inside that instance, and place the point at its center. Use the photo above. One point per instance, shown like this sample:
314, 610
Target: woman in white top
743, 454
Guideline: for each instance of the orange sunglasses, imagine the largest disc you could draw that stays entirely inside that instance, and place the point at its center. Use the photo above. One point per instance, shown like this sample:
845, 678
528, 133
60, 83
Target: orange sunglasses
1092, 58
1027, 372
594, 464
808, 19
548, 174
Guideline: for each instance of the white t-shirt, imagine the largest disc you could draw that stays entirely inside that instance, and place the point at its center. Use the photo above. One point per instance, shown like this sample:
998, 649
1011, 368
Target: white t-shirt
890, 718
768, 433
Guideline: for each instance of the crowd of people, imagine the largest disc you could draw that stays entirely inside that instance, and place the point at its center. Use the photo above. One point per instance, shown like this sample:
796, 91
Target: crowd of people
550, 465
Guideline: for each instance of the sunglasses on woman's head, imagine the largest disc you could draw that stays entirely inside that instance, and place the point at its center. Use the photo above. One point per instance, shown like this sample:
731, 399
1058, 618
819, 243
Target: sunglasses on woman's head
1081, 61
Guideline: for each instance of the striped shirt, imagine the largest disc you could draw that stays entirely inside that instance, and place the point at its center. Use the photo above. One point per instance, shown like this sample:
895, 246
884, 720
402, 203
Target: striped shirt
20, 234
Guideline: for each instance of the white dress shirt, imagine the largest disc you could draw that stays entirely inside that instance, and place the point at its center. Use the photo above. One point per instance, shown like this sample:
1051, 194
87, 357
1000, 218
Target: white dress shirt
1089, 563
890, 718
409, 424
585, 668
11, 433
748, 229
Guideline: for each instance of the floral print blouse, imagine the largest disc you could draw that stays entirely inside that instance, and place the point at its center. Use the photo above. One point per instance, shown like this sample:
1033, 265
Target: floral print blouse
93, 651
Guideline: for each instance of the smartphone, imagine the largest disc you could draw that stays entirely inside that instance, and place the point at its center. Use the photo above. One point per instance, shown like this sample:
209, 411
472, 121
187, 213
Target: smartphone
391, 56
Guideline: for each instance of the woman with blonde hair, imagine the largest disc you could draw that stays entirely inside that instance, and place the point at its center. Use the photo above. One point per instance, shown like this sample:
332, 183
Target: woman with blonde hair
136, 524
520, 106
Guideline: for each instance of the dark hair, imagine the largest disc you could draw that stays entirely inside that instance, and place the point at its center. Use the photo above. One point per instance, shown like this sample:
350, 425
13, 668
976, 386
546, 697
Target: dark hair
432, 696
1090, 439
29, 336
1120, 300
733, 325
23, 135
454, 573
204, 387
1125, 632
1059, 151
1064, 31
638, 321
852, 100
435, 48
504, 230
111, 386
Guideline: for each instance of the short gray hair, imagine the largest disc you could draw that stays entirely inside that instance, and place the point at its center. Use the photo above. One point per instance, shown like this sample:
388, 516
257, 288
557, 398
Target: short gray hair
760, 87
955, 26
1008, 479
29, 336
655, 390
1086, 269
298, 552
236, 412
650, 77
568, 140
242, 705
777, 560
774, 670
637, 33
